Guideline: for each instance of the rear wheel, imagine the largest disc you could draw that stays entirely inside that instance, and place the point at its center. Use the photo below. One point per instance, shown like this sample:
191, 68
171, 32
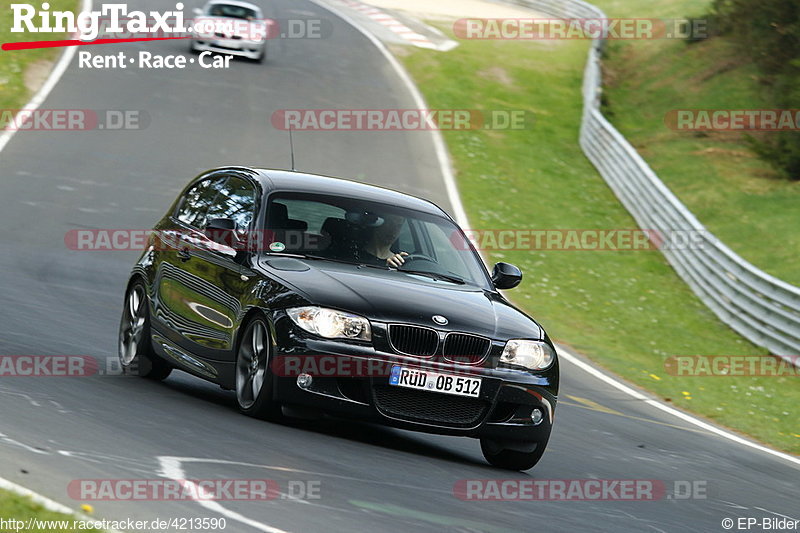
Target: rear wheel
253, 373
511, 459
135, 351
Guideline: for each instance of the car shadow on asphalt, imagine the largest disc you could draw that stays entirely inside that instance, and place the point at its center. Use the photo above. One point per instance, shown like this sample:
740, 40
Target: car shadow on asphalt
342, 428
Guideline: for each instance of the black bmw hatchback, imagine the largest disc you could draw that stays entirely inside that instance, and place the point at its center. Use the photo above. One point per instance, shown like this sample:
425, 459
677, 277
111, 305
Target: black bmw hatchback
310, 293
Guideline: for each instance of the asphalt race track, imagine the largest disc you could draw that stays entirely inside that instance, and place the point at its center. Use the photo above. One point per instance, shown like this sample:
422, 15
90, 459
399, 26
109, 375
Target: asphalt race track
61, 302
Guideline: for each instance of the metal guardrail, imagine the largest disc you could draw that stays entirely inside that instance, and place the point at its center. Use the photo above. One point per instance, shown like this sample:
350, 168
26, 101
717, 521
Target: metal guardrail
760, 307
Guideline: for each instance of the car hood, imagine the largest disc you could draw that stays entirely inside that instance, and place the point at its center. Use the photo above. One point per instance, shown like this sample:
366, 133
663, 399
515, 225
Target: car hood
392, 296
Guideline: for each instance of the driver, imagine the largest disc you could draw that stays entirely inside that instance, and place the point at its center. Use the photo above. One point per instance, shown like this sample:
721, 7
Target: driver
377, 249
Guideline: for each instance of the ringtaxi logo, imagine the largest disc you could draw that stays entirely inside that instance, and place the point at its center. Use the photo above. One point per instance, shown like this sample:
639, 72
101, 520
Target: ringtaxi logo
88, 24
115, 21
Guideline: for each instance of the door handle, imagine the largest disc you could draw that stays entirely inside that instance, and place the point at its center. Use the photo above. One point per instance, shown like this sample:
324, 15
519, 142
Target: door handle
184, 254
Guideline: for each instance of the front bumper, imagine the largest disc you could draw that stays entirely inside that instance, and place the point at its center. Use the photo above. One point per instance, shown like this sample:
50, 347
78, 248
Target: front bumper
352, 380
239, 48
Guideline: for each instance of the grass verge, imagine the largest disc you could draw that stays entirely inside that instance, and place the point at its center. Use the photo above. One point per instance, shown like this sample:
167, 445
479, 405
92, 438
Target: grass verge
738, 196
22, 71
627, 310
23, 509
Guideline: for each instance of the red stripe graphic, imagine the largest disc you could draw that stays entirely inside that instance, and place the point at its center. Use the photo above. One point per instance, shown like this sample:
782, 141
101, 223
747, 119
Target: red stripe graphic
58, 44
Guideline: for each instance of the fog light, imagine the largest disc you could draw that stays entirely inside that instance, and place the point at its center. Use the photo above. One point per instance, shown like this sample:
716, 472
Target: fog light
304, 381
536, 416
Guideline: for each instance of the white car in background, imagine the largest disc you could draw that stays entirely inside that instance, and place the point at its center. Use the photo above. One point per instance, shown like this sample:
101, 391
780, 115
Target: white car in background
231, 27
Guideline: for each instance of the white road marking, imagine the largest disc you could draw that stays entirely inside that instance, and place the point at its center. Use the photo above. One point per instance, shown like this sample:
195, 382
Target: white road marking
776, 514
34, 104
400, 29
12, 442
172, 468
461, 217
442, 154
597, 373
58, 71
45, 502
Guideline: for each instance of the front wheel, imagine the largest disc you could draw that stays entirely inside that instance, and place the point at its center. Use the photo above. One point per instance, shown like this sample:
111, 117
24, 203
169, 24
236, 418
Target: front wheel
511, 459
253, 373
135, 351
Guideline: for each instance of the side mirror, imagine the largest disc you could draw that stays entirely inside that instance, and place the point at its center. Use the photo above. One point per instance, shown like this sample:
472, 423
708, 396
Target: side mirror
197, 11
506, 276
223, 231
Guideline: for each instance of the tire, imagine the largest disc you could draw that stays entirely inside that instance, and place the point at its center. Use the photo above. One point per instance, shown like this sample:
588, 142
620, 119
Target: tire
254, 378
512, 459
135, 349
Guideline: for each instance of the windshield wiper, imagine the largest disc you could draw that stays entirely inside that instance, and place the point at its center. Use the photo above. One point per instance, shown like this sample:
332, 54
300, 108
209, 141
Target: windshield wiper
322, 258
435, 275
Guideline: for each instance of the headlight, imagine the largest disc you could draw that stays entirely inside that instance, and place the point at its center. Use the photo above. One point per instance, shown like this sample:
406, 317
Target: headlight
331, 324
533, 355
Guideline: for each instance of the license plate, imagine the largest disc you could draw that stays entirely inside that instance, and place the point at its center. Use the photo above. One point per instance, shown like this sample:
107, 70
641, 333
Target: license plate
416, 378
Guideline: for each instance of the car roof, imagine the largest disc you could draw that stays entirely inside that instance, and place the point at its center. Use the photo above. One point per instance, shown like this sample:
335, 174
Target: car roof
285, 180
237, 3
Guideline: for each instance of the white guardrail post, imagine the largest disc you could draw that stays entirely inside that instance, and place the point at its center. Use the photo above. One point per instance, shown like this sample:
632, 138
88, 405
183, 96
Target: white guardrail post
760, 307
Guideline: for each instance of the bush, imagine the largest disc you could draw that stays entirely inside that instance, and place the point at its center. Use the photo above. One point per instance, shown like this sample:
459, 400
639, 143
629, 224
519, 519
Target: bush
768, 33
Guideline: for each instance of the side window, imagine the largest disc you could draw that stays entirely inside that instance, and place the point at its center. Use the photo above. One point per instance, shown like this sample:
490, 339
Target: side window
197, 200
314, 214
236, 200
405, 241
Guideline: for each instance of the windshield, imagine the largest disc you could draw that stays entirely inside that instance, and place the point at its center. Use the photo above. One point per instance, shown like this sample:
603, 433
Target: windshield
367, 233
231, 11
